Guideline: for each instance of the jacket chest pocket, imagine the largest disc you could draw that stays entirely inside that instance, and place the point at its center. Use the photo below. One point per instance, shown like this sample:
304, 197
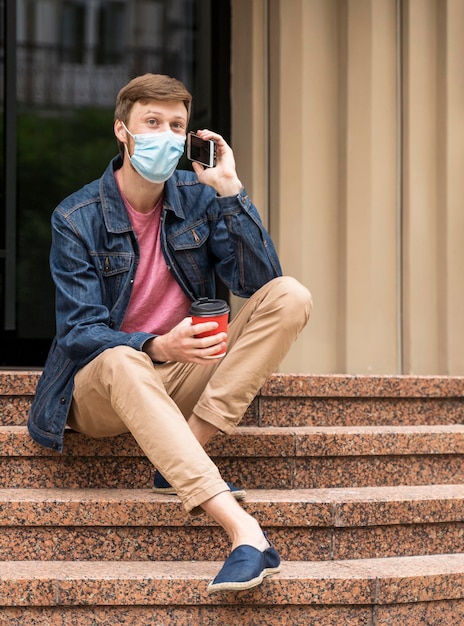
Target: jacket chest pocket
115, 271
190, 249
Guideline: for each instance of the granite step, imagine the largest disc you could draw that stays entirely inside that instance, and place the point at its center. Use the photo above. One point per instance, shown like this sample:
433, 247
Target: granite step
344, 400
359, 480
304, 524
307, 400
304, 457
384, 592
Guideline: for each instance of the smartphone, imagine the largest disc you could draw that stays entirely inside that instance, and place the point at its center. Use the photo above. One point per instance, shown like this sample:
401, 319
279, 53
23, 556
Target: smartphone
201, 150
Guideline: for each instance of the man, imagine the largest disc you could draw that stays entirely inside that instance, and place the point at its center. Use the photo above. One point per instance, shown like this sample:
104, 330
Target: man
129, 254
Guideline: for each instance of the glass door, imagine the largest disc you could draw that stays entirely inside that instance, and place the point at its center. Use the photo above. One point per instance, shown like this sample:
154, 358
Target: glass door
62, 64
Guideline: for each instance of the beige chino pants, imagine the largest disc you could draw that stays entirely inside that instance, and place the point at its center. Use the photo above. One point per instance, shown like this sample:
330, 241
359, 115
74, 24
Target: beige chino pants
121, 390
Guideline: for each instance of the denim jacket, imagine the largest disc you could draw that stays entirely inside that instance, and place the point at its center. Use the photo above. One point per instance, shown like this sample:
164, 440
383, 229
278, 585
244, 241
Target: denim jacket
93, 260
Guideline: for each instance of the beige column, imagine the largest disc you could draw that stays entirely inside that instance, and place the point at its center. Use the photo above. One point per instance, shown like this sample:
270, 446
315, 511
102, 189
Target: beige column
333, 175
249, 80
369, 197
454, 189
304, 169
421, 145
348, 129
250, 102
433, 186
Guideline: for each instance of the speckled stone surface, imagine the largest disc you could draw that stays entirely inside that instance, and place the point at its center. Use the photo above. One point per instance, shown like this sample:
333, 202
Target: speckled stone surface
305, 457
360, 484
444, 613
298, 400
14, 409
24, 381
355, 582
399, 540
190, 616
312, 473
303, 524
151, 544
288, 411
440, 613
342, 385
18, 381
264, 442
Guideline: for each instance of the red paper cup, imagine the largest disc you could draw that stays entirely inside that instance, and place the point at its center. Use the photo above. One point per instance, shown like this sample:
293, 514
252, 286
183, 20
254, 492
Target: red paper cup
210, 310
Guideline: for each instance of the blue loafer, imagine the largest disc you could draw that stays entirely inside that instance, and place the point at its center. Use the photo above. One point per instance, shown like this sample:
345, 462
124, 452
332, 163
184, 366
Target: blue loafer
244, 568
161, 485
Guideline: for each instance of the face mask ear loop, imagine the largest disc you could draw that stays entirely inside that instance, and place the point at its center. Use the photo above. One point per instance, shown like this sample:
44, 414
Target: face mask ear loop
125, 144
127, 151
127, 130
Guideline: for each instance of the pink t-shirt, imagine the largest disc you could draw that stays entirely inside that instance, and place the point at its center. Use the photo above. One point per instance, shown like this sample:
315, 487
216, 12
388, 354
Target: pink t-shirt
157, 302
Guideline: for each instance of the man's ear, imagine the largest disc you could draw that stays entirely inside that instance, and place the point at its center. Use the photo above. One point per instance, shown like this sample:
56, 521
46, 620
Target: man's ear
120, 131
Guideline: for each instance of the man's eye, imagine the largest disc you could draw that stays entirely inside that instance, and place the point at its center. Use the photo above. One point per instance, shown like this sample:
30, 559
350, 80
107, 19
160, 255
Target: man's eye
152, 122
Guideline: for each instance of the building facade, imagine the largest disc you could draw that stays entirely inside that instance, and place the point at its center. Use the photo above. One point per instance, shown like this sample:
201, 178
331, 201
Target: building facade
346, 119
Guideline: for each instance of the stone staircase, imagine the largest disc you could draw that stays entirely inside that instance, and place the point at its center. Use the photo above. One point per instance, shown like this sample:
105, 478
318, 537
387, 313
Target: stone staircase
359, 481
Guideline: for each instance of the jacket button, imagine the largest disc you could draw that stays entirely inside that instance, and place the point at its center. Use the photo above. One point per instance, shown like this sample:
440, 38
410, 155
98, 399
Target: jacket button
111, 324
63, 401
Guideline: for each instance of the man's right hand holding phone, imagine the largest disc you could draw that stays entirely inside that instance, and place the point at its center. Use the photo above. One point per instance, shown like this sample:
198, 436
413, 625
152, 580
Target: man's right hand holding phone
223, 177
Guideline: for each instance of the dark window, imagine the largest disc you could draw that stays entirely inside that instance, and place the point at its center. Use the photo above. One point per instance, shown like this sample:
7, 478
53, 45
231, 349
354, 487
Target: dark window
72, 31
62, 64
111, 42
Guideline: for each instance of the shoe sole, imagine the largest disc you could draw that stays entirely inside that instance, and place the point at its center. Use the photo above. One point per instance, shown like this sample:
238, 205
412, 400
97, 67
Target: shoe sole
169, 491
243, 586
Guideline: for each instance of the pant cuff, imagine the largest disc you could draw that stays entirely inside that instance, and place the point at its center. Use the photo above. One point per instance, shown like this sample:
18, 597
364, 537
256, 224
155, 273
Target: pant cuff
193, 503
219, 422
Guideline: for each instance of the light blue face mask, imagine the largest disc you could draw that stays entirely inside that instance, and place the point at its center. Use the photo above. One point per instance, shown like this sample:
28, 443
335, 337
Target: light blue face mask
156, 154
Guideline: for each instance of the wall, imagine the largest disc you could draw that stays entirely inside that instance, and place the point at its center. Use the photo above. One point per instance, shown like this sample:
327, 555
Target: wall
348, 131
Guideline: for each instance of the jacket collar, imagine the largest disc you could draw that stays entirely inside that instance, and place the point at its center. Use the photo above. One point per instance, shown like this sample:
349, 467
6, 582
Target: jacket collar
172, 200
114, 210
